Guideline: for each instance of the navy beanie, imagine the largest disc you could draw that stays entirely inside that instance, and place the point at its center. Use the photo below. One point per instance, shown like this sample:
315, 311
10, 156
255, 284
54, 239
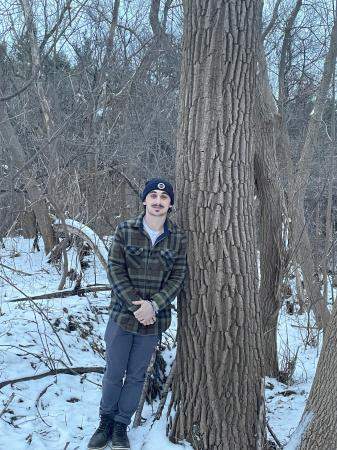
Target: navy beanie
161, 184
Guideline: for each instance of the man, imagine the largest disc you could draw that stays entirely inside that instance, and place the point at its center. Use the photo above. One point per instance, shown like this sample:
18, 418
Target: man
146, 269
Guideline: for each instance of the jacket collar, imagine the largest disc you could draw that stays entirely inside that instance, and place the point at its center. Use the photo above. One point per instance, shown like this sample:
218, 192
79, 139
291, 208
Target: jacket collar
168, 225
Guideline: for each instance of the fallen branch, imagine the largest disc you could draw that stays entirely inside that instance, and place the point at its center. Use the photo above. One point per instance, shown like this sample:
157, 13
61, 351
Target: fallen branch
165, 391
313, 327
16, 270
62, 294
67, 371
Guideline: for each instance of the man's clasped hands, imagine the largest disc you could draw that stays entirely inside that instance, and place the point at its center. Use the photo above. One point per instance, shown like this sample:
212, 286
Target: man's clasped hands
145, 314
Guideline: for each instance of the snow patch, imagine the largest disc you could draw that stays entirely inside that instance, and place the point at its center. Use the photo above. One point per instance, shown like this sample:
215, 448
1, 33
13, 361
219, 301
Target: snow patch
89, 233
296, 437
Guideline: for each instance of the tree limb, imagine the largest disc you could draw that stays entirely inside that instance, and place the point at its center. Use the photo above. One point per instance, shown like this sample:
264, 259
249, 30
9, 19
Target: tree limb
272, 21
63, 294
68, 371
49, 33
284, 52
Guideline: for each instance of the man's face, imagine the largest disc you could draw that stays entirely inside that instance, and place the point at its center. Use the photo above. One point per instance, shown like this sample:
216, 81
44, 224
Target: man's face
157, 203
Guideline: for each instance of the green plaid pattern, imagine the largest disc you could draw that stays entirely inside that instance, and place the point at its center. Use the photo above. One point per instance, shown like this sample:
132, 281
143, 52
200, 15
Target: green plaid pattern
137, 270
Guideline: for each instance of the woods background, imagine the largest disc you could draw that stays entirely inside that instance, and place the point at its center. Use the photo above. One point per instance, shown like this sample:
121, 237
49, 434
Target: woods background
89, 110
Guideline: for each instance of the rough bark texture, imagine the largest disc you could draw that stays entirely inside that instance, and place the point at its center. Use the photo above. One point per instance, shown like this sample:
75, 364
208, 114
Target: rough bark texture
218, 392
320, 412
270, 194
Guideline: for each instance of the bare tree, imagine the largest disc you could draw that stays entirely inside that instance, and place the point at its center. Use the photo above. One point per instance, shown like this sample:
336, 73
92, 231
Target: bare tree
271, 215
218, 390
11, 143
92, 96
296, 169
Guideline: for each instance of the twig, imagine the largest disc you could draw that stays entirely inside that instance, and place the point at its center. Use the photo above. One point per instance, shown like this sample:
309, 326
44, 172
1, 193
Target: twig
5, 98
273, 436
16, 270
313, 327
37, 403
68, 371
8, 402
166, 389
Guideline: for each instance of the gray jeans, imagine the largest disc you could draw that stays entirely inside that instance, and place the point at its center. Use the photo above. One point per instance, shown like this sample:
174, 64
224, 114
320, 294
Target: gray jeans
126, 354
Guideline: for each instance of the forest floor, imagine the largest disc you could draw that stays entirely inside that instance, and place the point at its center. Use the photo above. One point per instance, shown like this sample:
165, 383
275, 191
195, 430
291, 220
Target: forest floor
61, 412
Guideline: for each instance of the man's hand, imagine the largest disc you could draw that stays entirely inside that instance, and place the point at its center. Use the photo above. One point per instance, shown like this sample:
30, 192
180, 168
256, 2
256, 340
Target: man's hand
145, 314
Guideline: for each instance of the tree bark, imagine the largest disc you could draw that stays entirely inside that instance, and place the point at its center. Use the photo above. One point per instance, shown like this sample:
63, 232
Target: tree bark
319, 422
218, 388
270, 194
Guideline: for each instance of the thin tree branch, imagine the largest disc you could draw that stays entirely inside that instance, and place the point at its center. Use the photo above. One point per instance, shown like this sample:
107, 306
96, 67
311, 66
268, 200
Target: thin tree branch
68, 371
49, 33
272, 21
286, 44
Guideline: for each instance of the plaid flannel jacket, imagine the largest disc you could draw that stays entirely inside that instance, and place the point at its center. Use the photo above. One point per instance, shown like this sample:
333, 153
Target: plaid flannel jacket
137, 270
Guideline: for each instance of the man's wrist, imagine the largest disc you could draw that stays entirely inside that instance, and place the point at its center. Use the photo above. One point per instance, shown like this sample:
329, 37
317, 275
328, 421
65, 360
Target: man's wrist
154, 306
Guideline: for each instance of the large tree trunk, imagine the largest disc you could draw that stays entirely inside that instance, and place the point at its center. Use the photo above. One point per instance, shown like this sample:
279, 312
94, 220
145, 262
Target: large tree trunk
270, 194
218, 390
319, 422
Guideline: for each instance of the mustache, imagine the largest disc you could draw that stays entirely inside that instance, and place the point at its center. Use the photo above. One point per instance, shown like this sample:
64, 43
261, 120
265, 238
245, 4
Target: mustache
157, 206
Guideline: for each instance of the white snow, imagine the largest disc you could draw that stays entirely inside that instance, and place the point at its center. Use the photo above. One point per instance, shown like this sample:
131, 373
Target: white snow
66, 413
89, 233
300, 430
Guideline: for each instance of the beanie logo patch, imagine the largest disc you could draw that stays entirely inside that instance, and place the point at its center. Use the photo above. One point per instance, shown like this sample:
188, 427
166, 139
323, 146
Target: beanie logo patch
161, 186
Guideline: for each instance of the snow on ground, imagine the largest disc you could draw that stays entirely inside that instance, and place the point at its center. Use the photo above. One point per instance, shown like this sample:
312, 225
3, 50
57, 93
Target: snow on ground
56, 412
285, 402
61, 412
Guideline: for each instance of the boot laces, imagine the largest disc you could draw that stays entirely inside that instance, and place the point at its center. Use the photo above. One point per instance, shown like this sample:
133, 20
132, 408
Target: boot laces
120, 428
104, 423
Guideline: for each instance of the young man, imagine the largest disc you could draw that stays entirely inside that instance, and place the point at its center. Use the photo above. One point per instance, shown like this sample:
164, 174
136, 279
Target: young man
147, 265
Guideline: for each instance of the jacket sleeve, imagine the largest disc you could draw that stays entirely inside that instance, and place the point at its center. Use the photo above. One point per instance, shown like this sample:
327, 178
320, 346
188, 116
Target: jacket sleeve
117, 273
174, 283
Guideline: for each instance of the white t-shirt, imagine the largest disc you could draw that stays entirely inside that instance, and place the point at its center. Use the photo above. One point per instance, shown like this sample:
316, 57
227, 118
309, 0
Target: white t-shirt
152, 233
